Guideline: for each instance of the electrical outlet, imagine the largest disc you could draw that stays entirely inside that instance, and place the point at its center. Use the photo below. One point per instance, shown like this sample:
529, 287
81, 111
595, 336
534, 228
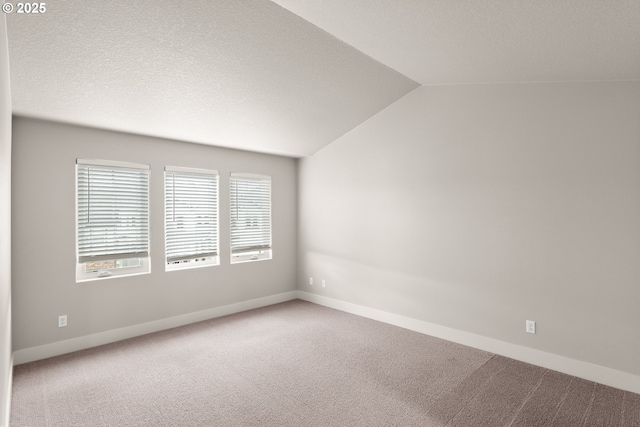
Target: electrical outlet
62, 321
531, 327
324, 283
311, 280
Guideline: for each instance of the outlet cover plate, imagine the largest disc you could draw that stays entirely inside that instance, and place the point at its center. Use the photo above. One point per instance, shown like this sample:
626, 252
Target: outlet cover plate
531, 327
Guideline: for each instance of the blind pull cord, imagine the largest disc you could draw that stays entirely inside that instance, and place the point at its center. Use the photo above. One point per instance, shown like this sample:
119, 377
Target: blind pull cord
88, 195
173, 178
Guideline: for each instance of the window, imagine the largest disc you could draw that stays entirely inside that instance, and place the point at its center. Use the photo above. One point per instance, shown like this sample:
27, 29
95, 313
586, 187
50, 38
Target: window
250, 200
112, 213
191, 217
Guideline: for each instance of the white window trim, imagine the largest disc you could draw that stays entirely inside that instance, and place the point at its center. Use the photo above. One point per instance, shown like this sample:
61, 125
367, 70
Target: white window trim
114, 163
249, 175
210, 260
191, 170
145, 262
262, 255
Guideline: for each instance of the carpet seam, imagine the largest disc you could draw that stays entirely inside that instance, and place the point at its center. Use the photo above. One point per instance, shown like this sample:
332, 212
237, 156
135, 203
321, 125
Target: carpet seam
561, 403
586, 413
479, 389
528, 397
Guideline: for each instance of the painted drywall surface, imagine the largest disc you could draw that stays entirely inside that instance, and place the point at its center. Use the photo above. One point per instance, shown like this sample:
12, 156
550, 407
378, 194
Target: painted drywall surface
44, 285
478, 207
5, 222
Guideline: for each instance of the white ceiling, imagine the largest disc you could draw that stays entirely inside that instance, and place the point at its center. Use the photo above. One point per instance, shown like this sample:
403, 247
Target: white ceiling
252, 75
239, 74
488, 41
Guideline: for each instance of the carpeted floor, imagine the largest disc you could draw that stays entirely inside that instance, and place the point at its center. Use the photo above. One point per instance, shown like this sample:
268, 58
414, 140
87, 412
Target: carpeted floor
299, 364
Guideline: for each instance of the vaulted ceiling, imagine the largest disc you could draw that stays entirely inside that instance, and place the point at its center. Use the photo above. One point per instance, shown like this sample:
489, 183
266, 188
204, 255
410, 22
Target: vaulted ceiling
290, 78
488, 41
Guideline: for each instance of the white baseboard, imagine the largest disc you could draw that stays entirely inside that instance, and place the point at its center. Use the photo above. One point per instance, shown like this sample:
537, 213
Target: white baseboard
67, 346
7, 404
577, 368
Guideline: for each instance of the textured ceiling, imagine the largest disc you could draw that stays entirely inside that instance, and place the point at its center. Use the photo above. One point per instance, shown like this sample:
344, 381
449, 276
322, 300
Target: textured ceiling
239, 74
253, 75
486, 41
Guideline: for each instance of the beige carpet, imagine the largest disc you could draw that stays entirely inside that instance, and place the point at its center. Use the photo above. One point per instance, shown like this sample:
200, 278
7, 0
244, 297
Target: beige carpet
299, 364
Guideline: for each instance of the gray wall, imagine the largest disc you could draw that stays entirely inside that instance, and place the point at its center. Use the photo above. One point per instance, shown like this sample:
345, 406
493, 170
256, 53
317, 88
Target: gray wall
477, 207
44, 285
5, 222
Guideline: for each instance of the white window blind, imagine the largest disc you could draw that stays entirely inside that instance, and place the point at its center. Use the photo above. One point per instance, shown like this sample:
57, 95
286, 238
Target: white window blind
191, 213
113, 210
250, 200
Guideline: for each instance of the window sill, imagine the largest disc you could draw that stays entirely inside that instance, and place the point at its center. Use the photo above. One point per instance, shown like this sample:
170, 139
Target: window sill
191, 265
240, 259
113, 276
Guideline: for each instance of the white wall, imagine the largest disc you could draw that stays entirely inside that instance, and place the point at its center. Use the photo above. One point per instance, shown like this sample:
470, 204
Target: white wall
477, 207
44, 285
5, 225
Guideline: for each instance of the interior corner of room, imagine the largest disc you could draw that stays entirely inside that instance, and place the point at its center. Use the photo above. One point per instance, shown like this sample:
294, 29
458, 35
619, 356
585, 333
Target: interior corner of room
404, 191
6, 363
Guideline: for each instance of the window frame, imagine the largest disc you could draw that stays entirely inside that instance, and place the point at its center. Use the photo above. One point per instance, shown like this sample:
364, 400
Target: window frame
145, 260
193, 262
257, 254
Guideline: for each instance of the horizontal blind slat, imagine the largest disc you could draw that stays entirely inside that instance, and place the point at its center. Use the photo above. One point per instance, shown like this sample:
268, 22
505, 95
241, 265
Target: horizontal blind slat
191, 215
250, 203
113, 212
